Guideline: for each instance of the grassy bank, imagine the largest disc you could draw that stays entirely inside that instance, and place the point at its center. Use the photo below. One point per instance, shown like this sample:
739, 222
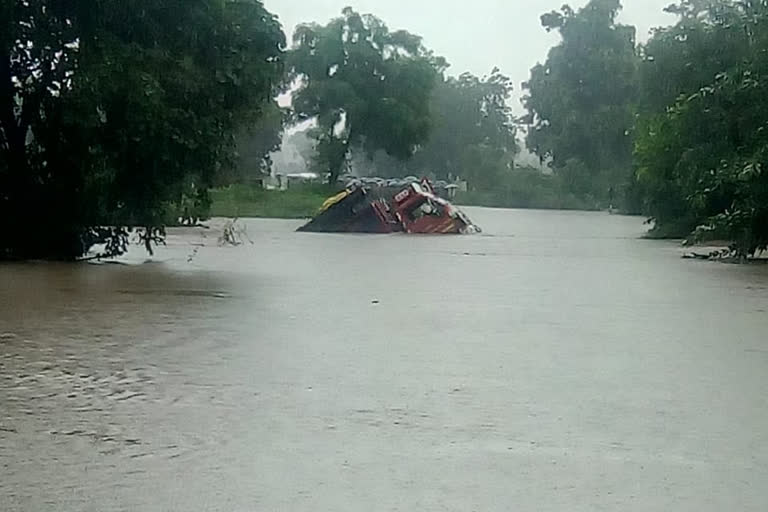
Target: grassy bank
527, 189
303, 201
299, 202
540, 199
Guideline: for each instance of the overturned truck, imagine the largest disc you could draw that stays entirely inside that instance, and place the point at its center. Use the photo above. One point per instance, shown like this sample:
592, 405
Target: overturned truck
414, 209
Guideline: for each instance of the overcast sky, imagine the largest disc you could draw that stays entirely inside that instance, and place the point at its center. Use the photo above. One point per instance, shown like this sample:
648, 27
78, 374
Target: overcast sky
473, 35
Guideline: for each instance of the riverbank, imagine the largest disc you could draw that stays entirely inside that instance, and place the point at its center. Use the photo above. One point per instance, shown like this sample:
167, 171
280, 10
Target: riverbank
300, 202
247, 201
542, 199
329, 358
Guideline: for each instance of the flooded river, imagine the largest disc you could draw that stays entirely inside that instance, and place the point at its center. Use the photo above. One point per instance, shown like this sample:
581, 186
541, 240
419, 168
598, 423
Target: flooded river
555, 363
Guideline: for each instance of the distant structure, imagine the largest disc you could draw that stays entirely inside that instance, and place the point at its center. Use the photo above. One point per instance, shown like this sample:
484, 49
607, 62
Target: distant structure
292, 164
527, 159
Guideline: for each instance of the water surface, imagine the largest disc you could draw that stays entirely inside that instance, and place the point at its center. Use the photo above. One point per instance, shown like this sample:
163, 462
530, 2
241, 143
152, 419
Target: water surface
557, 362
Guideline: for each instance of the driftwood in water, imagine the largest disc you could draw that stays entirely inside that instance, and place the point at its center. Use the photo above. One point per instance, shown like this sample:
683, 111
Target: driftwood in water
234, 234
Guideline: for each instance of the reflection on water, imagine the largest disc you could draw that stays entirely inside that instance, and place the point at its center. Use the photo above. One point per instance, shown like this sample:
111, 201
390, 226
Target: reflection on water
555, 363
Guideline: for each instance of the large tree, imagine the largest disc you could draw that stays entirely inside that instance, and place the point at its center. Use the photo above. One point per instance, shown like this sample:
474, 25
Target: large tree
255, 143
682, 58
474, 135
367, 87
703, 159
580, 101
110, 112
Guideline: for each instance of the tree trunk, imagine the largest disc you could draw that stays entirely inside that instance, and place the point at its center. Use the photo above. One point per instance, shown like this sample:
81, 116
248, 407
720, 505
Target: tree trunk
13, 139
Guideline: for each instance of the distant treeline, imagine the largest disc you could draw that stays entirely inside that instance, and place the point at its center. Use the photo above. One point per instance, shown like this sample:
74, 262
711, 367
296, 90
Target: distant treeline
116, 119
676, 129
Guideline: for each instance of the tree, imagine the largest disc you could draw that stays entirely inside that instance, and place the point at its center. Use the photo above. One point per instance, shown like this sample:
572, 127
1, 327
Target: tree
702, 160
474, 134
255, 144
580, 101
677, 62
32, 79
366, 87
679, 59
112, 112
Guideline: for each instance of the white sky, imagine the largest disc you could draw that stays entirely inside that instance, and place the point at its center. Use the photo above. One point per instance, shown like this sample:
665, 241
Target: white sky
473, 35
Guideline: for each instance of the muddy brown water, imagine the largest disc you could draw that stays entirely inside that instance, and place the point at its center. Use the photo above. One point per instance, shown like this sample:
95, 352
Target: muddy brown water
556, 362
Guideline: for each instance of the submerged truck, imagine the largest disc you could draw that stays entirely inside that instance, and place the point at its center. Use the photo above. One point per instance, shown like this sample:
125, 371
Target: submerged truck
415, 209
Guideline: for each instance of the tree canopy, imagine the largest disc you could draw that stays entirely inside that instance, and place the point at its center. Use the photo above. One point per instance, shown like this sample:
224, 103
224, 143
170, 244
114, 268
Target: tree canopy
116, 117
255, 142
474, 134
110, 112
701, 159
366, 86
580, 100
687, 112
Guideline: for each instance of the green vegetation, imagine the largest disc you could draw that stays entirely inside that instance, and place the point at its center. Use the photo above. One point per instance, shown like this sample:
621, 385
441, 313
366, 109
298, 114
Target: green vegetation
367, 88
526, 188
109, 113
675, 129
473, 135
254, 142
298, 202
701, 157
115, 118
522, 188
580, 101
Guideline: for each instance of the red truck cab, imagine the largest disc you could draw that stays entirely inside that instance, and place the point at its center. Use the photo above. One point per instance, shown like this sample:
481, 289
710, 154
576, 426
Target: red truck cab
420, 210
415, 209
